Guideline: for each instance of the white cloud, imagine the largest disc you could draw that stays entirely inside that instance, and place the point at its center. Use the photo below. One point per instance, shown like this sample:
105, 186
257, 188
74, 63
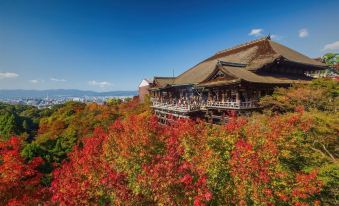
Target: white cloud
277, 37
303, 33
7, 75
58, 80
255, 32
332, 46
102, 84
36, 81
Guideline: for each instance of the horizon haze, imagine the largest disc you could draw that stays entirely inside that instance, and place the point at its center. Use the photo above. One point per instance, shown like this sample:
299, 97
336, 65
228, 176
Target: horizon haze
29, 93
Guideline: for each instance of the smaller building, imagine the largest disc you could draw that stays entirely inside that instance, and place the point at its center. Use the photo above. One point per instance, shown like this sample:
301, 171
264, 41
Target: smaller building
144, 87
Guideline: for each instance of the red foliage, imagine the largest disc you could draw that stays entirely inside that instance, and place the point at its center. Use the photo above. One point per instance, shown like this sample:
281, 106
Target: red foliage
255, 163
132, 107
164, 177
306, 186
140, 161
174, 181
137, 161
235, 124
134, 136
19, 181
87, 178
250, 173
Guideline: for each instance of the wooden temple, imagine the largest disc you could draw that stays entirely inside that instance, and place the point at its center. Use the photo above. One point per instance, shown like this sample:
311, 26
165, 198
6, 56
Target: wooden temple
231, 81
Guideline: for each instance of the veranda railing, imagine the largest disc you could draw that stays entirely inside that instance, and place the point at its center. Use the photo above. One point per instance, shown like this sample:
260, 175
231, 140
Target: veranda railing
194, 106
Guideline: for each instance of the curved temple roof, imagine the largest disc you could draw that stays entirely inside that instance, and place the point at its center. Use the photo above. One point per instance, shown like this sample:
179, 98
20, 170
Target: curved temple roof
253, 54
250, 56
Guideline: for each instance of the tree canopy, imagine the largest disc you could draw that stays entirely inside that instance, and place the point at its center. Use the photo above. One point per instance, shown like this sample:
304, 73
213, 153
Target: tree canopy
117, 154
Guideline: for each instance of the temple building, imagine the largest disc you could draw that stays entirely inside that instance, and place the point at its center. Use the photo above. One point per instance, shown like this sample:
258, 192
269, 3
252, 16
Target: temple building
231, 81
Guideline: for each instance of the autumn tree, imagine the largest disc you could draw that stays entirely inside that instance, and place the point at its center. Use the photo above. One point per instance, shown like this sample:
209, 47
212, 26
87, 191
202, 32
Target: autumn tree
86, 178
20, 181
118, 154
172, 179
322, 95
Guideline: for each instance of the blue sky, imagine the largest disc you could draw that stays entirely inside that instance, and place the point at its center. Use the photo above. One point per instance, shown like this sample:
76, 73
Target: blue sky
112, 45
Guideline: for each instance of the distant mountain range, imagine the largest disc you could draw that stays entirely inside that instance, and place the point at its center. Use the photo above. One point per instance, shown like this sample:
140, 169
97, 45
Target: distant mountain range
20, 93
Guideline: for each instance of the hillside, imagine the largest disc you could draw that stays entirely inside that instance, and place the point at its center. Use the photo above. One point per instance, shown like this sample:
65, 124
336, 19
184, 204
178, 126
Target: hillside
117, 154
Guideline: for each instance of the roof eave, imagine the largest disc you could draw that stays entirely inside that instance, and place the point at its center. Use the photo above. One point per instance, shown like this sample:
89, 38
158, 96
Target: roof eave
319, 67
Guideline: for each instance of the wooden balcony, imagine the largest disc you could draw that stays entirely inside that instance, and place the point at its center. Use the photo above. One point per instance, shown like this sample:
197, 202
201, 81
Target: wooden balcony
197, 106
232, 105
182, 108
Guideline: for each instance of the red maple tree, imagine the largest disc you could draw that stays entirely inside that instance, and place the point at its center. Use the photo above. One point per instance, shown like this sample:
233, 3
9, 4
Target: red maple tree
19, 179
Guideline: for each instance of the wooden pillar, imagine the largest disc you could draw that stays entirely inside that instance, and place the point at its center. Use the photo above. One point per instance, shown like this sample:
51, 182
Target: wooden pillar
209, 95
217, 95
228, 95
237, 97
223, 120
223, 96
245, 95
210, 117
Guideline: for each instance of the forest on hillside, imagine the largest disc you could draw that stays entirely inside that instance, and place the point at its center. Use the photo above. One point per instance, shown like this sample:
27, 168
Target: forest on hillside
117, 154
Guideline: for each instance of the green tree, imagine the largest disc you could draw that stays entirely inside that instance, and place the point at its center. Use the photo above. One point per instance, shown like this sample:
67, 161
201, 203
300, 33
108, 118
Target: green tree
331, 59
8, 125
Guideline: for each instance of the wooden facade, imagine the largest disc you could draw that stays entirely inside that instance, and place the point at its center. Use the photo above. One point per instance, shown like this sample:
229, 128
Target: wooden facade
231, 81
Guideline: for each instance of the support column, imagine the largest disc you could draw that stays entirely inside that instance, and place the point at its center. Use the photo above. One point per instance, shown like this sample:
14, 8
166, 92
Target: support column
237, 97
223, 119
223, 96
209, 96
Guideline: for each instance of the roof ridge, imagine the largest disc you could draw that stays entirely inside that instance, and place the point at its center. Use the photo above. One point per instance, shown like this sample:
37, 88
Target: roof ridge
226, 50
244, 44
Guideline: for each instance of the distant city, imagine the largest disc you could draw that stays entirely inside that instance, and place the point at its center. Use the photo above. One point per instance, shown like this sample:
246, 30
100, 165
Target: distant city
48, 98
